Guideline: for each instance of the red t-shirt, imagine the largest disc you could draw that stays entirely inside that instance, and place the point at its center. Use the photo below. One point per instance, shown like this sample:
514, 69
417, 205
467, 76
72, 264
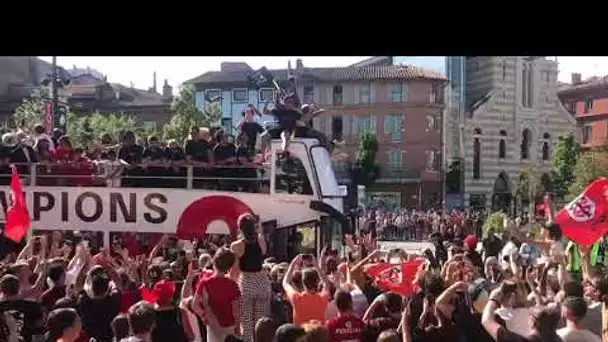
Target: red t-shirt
347, 328
50, 296
221, 291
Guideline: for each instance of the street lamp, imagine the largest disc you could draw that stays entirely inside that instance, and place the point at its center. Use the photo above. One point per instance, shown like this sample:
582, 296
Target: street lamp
59, 112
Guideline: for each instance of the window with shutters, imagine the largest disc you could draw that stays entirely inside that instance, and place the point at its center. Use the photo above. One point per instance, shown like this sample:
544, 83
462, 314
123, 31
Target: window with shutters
502, 145
266, 95
587, 133
433, 160
588, 105
396, 93
337, 95
239, 95
364, 125
364, 92
309, 94
395, 160
476, 159
393, 127
337, 128
527, 85
432, 124
526, 141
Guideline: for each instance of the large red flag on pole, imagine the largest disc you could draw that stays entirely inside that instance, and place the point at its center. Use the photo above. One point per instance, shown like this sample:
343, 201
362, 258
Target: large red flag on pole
17, 217
584, 219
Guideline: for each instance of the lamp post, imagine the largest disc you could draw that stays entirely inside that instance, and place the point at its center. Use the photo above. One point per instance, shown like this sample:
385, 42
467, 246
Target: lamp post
57, 80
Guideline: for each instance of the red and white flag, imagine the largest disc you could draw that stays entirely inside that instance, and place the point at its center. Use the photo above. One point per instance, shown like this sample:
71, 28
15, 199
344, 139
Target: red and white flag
396, 278
584, 219
17, 217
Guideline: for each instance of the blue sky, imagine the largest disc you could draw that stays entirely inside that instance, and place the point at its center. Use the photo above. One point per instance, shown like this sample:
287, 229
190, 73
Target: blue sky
176, 70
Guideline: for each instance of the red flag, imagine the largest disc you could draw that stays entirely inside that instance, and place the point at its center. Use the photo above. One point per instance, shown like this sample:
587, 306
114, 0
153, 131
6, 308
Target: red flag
17, 217
584, 219
395, 278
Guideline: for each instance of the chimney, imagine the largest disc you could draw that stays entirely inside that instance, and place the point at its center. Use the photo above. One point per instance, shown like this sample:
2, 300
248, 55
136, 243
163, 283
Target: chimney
299, 68
576, 78
234, 66
167, 89
153, 89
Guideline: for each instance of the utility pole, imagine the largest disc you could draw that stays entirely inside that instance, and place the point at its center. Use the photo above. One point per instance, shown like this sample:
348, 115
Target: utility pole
59, 112
54, 94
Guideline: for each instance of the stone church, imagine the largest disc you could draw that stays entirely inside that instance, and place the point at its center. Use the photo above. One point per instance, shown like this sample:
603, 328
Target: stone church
512, 122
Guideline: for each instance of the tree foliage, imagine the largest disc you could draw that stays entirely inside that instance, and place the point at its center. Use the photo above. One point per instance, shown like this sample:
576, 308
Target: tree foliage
495, 221
562, 165
532, 185
365, 171
589, 166
83, 129
31, 110
185, 114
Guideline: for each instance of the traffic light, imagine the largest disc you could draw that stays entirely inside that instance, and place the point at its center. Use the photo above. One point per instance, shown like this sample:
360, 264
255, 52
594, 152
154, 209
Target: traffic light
60, 118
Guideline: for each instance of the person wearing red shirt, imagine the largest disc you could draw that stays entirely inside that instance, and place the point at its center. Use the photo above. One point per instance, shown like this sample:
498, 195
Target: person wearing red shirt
220, 298
347, 327
82, 168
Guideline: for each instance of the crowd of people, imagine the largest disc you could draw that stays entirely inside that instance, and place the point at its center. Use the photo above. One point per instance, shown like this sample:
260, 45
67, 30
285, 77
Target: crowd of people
516, 287
416, 225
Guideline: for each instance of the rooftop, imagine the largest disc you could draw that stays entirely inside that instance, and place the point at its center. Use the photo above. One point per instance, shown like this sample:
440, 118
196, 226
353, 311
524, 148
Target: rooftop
594, 82
354, 72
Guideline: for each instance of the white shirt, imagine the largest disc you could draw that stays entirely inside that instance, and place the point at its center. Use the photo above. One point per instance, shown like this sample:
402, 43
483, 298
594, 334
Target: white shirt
575, 335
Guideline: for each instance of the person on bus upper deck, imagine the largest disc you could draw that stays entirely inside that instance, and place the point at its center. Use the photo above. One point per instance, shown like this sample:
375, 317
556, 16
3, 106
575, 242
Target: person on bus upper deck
19, 153
199, 153
244, 158
224, 154
132, 154
175, 156
154, 162
249, 126
82, 168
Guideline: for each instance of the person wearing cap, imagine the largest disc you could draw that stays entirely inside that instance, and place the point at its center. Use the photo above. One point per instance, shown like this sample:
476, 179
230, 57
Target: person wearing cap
573, 310
168, 317
470, 245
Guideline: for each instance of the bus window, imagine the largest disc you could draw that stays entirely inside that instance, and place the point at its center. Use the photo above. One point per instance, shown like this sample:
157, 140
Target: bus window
291, 177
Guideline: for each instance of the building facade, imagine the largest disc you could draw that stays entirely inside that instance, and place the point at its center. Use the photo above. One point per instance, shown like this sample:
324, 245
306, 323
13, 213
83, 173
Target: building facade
513, 120
588, 101
402, 105
89, 92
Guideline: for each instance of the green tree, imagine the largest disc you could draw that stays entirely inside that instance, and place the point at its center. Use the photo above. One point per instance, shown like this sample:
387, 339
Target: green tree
562, 165
83, 129
31, 110
365, 171
185, 114
531, 187
589, 166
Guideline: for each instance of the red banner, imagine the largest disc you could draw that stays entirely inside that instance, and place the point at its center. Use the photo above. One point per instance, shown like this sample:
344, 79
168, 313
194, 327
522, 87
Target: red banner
48, 117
